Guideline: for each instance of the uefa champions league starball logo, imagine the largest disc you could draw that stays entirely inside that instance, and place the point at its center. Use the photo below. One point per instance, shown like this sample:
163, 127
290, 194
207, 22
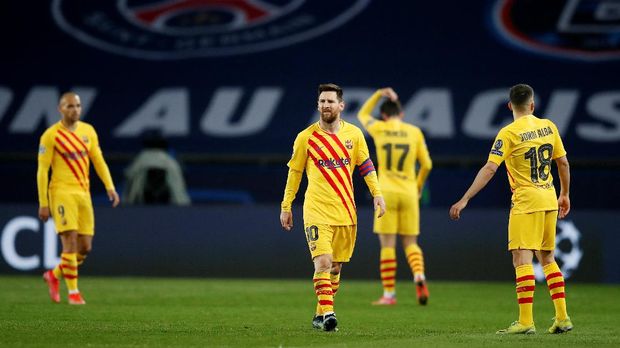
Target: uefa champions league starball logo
177, 29
568, 252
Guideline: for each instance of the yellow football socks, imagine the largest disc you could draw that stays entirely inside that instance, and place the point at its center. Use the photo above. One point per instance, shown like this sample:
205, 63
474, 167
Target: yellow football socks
415, 259
324, 293
335, 279
57, 271
68, 264
80, 259
526, 283
555, 282
388, 270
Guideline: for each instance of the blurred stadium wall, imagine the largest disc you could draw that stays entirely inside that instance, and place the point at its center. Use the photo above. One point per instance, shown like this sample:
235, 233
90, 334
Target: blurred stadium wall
215, 241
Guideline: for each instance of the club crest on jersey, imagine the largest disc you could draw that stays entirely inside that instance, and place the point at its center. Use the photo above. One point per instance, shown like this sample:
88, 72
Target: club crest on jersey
85, 139
348, 144
496, 148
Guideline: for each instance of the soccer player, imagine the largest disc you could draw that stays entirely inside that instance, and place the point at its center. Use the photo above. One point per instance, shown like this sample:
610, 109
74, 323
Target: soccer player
68, 147
528, 146
400, 146
328, 151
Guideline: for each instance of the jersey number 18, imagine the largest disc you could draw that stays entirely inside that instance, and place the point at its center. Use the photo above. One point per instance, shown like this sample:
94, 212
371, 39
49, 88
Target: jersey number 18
540, 159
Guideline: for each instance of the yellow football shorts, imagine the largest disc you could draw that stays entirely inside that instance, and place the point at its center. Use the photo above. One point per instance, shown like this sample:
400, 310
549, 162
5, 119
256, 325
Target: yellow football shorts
532, 231
72, 211
402, 215
338, 241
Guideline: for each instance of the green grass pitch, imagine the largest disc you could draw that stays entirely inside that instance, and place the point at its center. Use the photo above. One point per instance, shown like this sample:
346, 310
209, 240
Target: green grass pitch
168, 312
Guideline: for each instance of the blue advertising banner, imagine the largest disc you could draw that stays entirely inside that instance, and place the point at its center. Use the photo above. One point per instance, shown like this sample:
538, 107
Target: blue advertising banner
215, 242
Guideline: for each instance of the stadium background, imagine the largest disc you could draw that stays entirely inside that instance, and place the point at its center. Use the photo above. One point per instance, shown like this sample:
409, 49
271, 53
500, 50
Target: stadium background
230, 101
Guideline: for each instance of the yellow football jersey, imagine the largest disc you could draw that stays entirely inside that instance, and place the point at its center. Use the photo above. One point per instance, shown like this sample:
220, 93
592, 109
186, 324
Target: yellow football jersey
399, 146
69, 154
329, 161
528, 146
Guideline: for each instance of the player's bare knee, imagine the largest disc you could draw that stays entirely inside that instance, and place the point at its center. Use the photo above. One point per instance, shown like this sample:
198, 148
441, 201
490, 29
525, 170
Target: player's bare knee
546, 257
522, 257
69, 241
408, 240
323, 263
85, 249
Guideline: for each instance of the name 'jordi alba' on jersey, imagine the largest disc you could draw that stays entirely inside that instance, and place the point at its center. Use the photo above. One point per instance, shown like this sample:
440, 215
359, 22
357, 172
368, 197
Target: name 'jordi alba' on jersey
528, 146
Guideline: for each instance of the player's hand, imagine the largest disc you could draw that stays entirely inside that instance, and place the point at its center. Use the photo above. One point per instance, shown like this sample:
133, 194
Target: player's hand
44, 213
113, 196
379, 203
286, 220
564, 206
389, 93
455, 210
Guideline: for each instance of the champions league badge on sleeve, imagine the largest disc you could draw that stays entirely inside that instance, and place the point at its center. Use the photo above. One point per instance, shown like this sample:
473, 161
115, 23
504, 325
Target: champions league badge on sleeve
496, 150
178, 29
587, 30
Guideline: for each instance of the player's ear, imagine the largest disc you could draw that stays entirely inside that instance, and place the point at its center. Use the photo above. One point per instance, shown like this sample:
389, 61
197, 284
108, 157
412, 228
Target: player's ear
384, 116
510, 106
532, 107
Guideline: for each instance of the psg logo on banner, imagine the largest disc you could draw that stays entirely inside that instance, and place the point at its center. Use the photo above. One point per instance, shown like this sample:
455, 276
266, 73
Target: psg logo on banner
177, 29
586, 30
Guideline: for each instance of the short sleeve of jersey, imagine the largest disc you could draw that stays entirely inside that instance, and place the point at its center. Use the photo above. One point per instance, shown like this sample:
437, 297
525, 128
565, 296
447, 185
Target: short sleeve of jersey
300, 154
558, 145
500, 149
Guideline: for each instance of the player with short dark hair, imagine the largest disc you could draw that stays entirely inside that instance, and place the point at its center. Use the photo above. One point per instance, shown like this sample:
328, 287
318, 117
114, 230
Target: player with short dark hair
330, 87
528, 146
68, 147
328, 151
400, 146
